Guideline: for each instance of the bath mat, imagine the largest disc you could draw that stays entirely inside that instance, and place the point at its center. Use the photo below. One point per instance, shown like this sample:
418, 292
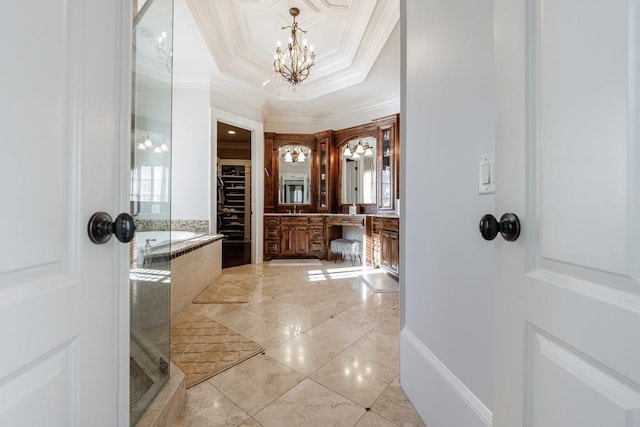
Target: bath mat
202, 348
229, 289
380, 281
292, 262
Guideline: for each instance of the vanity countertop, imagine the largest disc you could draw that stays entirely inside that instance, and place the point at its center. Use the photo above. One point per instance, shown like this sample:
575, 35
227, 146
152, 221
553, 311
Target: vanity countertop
311, 214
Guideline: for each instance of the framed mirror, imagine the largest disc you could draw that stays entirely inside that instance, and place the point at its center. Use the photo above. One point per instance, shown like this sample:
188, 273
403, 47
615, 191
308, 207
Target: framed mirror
358, 171
294, 180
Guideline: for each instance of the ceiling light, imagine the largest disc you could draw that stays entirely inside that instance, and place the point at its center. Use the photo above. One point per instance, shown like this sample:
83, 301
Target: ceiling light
231, 132
293, 62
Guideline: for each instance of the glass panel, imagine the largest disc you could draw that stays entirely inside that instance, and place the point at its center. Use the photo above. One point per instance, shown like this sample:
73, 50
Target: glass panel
294, 163
385, 186
150, 273
323, 176
359, 171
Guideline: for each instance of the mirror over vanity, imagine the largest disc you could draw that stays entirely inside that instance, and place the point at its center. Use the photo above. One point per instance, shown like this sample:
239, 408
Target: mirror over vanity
358, 168
294, 176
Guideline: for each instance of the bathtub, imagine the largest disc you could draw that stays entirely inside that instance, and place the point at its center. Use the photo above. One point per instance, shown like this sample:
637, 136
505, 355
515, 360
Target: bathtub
195, 261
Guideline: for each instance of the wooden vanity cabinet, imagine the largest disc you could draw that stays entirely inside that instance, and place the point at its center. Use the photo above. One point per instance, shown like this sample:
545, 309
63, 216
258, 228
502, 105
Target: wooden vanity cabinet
294, 236
386, 243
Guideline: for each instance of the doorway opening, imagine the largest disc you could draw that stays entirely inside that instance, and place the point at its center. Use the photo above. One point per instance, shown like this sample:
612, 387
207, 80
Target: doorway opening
233, 180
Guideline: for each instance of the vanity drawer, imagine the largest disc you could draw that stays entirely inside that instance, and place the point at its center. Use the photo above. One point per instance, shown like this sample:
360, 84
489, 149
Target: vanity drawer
348, 220
390, 224
271, 221
294, 220
272, 232
316, 232
316, 220
272, 247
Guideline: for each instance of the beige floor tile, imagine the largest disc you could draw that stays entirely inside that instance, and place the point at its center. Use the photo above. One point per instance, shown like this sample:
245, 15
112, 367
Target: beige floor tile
379, 347
271, 307
304, 353
240, 319
337, 333
372, 420
304, 318
389, 326
206, 406
251, 423
270, 333
212, 311
310, 404
368, 314
394, 406
355, 377
254, 384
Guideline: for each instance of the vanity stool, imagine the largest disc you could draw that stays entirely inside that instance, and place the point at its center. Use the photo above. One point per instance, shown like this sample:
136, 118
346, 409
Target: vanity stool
344, 247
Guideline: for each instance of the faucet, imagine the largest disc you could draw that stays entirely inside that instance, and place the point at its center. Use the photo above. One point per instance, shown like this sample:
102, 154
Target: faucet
294, 208
147, 245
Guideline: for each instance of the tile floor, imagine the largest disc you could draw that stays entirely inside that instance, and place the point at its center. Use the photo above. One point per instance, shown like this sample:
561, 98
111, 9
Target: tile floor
331, 355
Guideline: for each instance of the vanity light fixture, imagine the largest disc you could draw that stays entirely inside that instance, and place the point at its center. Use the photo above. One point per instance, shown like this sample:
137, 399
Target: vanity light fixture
293, 62
356, 151
146, 143
295, 154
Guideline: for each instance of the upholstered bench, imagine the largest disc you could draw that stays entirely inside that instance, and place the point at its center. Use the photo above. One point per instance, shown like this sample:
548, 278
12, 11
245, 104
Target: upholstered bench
344, 247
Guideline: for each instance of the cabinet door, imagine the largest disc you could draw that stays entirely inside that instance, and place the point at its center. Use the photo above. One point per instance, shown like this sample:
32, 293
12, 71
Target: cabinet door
295, 240
385, 249
301, 236
394, 252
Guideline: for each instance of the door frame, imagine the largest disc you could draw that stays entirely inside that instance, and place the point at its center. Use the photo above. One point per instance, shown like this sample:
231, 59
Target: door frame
123, 154
257, 169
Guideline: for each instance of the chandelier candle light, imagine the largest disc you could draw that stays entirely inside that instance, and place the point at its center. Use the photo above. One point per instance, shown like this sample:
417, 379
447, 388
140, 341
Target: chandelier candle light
294, 61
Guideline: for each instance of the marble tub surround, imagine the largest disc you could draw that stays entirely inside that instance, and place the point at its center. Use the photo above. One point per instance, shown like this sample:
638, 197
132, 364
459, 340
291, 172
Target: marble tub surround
168, 402
193, 225
193, 270
331, 355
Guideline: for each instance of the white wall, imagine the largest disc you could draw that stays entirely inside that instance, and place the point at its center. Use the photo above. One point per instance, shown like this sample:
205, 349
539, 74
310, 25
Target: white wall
190, 154
447, 269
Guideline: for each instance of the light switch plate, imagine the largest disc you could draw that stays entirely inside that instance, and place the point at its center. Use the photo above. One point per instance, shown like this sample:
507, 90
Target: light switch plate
486, 174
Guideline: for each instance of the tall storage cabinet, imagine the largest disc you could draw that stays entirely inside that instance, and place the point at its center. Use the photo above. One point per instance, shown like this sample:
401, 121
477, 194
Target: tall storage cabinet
234, 199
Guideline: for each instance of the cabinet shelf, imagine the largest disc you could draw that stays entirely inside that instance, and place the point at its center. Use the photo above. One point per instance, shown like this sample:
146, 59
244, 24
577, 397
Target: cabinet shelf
234, 202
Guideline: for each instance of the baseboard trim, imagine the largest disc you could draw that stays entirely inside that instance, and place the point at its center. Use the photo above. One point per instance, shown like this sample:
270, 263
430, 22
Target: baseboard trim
439, 396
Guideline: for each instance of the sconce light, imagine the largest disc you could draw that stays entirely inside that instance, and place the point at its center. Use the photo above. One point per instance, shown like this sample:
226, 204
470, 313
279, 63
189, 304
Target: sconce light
356, 151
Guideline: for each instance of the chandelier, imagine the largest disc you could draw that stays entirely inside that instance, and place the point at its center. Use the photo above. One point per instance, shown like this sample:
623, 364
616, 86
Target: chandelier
294, 61
296, 154
356, 151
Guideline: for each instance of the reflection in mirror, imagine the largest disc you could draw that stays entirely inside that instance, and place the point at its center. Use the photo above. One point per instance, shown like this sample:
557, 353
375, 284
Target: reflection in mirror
359, 171
294, 182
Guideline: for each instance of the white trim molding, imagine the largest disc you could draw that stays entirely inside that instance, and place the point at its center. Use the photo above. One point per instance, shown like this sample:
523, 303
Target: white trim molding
257, 179
438, 395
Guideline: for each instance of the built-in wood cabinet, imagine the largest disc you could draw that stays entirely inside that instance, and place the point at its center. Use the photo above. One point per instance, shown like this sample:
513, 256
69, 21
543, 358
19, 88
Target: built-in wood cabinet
385, 243
294, 236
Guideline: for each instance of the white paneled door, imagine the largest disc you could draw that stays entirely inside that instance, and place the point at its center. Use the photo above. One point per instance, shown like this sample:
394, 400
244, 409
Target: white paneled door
63, 126
567, 300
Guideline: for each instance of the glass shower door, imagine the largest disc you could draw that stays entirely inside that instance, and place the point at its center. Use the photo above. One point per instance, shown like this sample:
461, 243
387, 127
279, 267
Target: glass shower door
150, 266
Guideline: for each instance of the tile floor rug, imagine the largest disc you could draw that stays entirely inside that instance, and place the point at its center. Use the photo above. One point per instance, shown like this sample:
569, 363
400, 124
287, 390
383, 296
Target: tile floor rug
202, 348
229, 288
